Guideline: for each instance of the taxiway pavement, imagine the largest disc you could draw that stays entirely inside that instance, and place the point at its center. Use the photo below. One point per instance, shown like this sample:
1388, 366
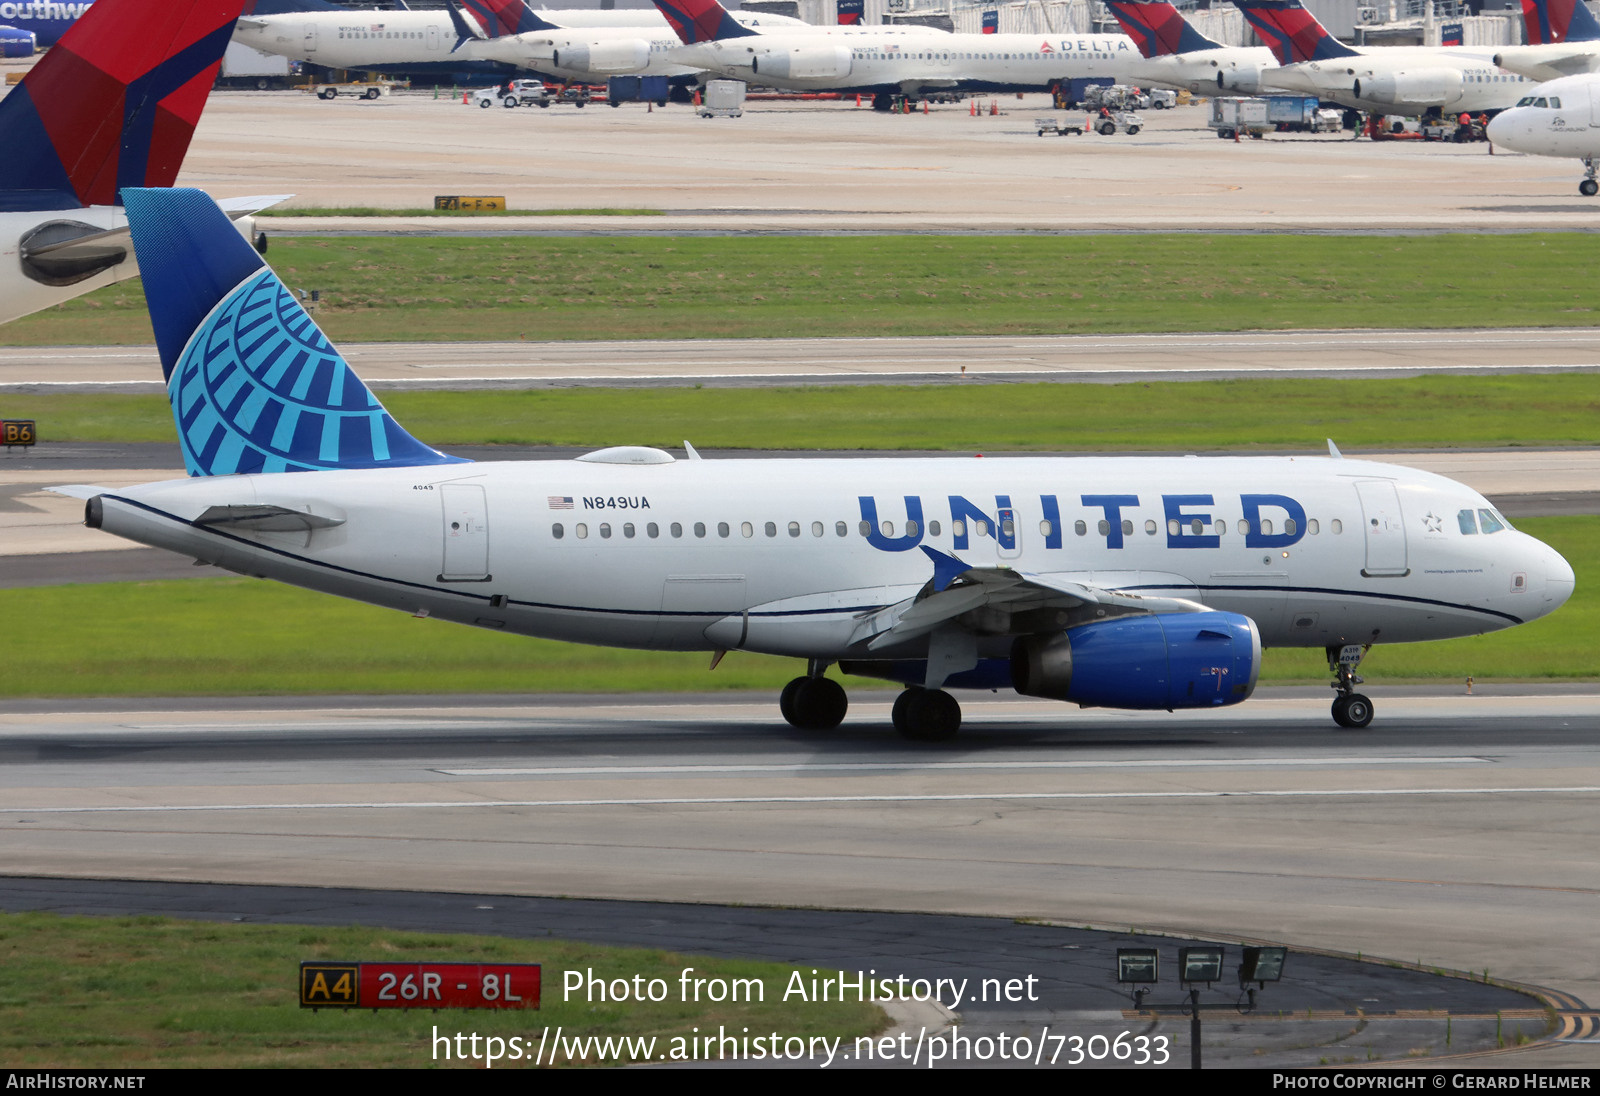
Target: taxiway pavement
1454, 834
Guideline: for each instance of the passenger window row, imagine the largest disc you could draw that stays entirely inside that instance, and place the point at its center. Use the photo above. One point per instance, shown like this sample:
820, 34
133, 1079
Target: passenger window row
959, 528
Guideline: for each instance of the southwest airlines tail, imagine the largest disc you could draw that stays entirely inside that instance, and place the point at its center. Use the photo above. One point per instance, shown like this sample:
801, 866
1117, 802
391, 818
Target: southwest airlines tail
1291, 32
701, 21
1552, 21
113, 104
1157, 28
254, 383
502, 17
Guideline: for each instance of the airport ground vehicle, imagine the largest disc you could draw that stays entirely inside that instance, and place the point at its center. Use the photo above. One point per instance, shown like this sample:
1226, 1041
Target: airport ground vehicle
1237, 116
1060, 129
364, 89
722, 99
1124, 121
243, 67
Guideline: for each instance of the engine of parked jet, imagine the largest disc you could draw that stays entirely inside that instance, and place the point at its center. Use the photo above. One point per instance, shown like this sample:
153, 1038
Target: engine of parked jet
1418, 87
803, 63
1245, 79
1168, 660
611, 56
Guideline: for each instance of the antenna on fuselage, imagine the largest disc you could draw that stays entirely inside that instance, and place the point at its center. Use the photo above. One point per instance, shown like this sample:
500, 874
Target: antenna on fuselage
1333, 450
689, 449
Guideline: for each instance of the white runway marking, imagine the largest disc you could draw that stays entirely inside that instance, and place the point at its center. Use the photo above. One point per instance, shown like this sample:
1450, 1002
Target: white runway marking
859, 766
690, 801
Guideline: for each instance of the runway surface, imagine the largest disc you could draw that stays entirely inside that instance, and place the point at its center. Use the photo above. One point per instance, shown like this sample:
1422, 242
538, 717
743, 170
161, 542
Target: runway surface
1455, 833
1111, 359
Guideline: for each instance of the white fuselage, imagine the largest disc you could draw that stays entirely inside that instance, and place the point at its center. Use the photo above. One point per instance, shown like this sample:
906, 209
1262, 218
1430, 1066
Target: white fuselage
1570, 127
371, 39
1409, 80
794, 557
912, 58
1233, 69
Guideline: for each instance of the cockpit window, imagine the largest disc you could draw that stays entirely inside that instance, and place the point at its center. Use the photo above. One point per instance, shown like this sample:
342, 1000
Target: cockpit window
1555, 103
1468, 523
1525, 101
1491, 522
1540, 103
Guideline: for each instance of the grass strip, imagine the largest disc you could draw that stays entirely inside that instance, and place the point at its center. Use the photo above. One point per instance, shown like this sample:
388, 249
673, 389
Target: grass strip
1263, 415
235, 636
509, 287
129, 993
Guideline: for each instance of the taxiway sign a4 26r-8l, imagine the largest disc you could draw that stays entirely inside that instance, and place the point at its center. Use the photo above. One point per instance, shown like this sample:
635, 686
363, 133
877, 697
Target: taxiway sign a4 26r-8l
1115, 582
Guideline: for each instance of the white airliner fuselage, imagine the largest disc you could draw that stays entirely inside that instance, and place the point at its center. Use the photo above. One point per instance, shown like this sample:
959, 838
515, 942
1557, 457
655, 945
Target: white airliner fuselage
1405, 80
817, 558
373, 39
848, 58
1557, 118
1235, 69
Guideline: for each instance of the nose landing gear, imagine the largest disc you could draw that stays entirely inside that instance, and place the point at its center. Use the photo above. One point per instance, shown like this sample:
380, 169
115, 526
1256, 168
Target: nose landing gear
1589, 187
1350, 708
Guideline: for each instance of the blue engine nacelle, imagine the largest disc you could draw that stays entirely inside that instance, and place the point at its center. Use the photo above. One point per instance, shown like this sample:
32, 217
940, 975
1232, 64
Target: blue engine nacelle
1167, 660
15, 42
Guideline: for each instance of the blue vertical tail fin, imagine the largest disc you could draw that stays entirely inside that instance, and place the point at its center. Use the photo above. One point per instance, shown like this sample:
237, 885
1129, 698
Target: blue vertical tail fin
255, 385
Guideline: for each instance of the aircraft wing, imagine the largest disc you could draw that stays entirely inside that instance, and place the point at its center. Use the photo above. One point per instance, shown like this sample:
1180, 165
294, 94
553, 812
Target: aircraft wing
999, 601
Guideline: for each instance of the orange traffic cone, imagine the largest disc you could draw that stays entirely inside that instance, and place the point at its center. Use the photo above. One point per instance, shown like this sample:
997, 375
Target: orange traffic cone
466, 98
972, 108
924, 106
994, 108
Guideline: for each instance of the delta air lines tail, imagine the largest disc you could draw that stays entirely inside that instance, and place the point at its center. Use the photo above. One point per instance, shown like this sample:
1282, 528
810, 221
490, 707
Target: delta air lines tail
113, 104
1291, 32
1159, 29
1140, 583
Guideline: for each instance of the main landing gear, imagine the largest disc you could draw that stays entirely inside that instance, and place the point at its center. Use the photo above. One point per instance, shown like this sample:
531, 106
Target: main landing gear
817, 703
926, 715
1589, 187
1350, 708
813, 702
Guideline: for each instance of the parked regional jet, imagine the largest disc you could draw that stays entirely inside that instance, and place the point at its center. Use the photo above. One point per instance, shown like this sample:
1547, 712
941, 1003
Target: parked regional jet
1178, 56
515, 34
1111, 582
1558, 118
113, 104
1563, 40
340, 37
901, 61
1411, 80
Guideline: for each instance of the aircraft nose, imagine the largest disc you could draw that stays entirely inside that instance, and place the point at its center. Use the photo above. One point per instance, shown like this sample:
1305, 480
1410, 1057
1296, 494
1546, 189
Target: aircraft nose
1559, 581
1503, 126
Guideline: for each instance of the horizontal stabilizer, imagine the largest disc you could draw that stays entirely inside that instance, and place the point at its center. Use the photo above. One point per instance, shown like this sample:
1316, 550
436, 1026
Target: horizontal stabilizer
78, 490
266, 519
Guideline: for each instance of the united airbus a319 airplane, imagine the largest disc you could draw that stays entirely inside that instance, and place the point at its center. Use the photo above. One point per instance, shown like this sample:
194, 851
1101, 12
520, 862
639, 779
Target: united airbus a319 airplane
113, 104
1111, 582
